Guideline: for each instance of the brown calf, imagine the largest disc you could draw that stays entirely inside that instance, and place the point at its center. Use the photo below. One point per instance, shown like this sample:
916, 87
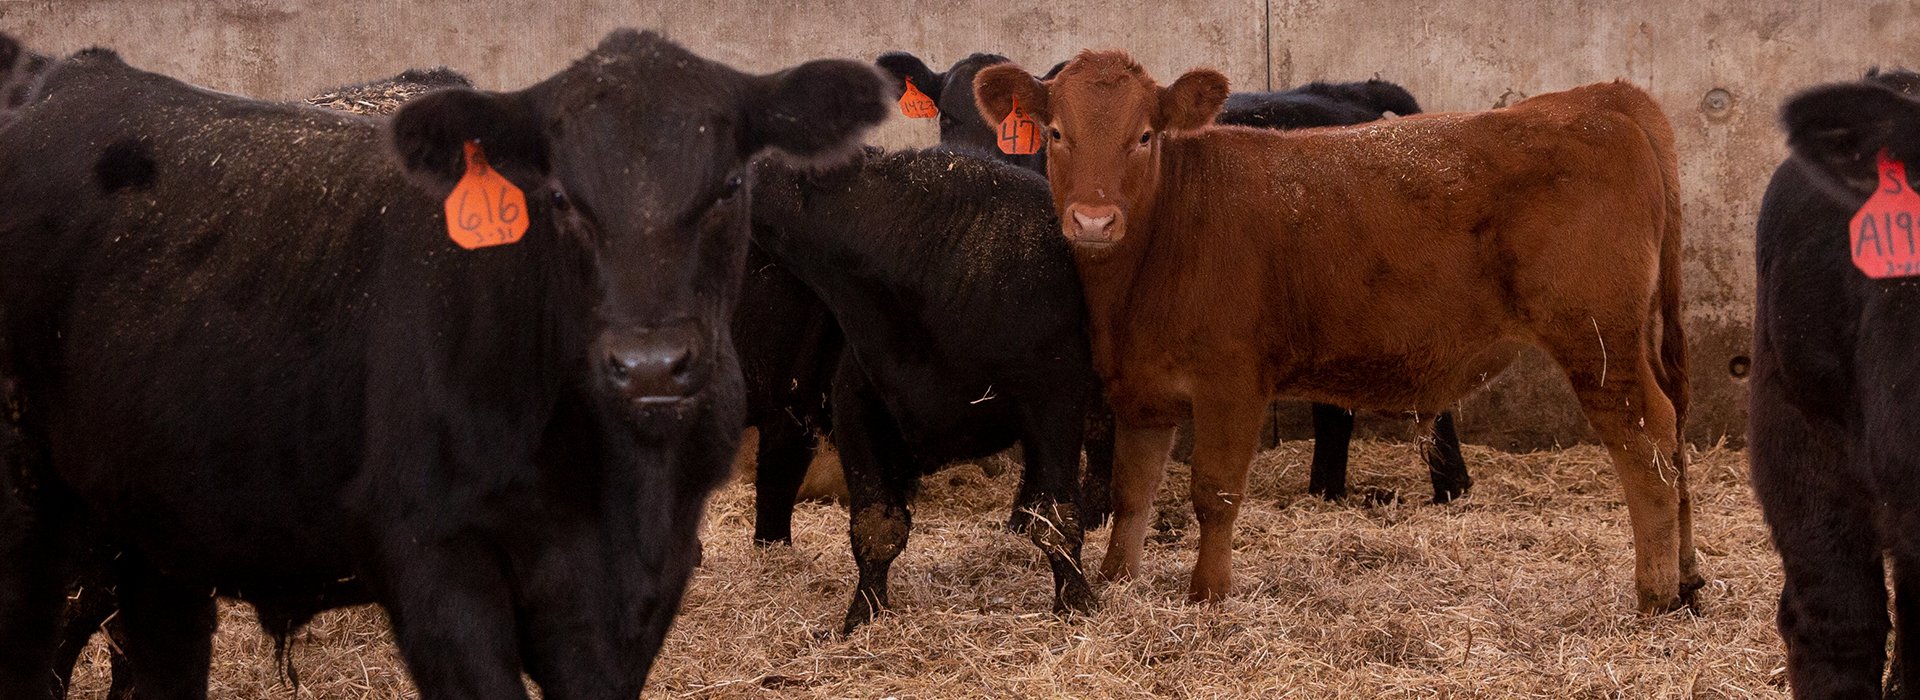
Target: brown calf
1393, 266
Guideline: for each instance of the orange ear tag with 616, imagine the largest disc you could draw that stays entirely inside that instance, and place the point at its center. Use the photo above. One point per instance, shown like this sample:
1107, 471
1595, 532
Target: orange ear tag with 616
485, 209
1884, 231
1019, 133
916, 104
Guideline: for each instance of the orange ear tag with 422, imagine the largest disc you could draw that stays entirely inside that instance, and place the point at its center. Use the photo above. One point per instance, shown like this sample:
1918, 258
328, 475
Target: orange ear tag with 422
1885, 233
916, 104
1019, 133
485, 209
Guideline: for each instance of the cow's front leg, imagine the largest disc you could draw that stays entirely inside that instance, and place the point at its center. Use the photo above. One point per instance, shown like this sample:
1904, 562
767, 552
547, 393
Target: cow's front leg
451, 608
1226, 430
1051, 447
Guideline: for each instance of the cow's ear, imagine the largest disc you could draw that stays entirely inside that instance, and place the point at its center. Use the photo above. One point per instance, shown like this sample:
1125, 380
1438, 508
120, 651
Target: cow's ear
816, 111
1837, 132
1192, 101
996, 88
903, 66
9, 52
429, 135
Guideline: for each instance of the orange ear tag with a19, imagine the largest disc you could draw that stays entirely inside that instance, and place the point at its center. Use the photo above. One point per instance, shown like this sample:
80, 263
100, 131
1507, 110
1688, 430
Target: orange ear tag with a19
916, 104
1886, 231
485, 209
1019, 133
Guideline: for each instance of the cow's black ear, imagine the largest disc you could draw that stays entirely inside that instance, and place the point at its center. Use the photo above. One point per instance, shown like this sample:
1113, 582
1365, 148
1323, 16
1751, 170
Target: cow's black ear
902, 66
1837, 131
9, 52
429, 135
1054, 71
816, 111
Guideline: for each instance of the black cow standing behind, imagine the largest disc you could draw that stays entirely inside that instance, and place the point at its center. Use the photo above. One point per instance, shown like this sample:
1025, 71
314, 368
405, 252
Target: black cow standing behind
1836, 465
1310, 105
965, 335
250, 359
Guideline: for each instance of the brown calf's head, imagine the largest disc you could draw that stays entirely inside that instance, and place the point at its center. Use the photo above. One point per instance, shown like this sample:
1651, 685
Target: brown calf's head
1105, 120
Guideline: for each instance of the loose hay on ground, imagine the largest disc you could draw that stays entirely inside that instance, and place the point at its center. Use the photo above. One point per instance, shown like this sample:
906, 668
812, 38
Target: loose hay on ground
1521, 591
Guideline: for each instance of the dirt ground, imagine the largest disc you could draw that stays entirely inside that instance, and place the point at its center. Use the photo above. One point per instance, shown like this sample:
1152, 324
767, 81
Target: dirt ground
1520, 591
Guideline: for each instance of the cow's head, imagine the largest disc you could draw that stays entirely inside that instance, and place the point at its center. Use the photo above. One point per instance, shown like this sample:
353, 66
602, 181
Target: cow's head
1837, 131
1106, 121
638, 153
960, 123
20, 69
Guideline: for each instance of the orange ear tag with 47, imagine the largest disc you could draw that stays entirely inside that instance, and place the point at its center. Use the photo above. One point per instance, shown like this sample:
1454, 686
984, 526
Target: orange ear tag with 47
1019, 133
1885, 233
916, 104
485, 209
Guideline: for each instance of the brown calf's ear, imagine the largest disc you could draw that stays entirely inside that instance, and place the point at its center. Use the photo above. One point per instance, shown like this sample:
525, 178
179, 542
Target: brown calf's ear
997, 87
1192, 101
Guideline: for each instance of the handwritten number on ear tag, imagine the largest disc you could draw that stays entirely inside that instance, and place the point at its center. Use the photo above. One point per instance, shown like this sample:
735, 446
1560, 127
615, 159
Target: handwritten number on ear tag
1019, 133
916, 104
1885, 233
485, 209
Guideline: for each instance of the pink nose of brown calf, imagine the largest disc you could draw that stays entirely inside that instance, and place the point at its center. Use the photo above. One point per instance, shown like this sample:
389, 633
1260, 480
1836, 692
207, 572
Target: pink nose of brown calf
1095, 222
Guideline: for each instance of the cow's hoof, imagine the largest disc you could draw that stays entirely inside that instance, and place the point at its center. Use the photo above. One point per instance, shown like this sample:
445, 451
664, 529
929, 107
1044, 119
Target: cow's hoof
1020, 522
861, 612
1075, 598
1443, 496
764, 542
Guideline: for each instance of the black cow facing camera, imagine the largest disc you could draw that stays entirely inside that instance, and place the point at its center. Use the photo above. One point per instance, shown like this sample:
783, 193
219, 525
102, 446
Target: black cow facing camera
254, 357
1835, 462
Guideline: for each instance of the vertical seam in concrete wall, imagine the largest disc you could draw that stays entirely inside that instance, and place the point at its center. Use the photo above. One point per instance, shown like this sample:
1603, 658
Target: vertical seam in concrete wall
1266, 38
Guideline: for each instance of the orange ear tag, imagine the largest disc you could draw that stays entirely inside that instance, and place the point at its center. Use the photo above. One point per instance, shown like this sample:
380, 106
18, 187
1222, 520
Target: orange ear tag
916, 104
1019, 133
1885, 230
485, 209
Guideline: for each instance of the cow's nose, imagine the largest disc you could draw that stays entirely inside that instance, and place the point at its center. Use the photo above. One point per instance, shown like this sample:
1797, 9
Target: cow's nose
1095, 221
660, 364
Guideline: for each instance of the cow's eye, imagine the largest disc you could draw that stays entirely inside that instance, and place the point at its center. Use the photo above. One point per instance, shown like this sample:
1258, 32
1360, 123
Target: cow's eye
559, 200
731, 188
1053, 133
1146, 137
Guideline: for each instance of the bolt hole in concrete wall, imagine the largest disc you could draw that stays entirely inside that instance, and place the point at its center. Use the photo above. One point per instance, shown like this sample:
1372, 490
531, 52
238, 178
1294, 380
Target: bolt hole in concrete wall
1720, 68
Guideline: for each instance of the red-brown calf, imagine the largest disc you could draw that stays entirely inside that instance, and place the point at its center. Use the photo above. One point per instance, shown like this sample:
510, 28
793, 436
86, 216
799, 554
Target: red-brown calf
1393, 266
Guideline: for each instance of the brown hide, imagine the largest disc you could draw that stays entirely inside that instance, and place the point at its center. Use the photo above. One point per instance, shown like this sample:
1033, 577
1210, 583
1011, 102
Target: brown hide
1395, 265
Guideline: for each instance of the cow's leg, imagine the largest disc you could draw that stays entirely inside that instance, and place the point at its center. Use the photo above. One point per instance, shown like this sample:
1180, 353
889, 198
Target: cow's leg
1140, 461
165, 629
1096, 485
89, 605
452, 615
31, 560
1833, 610
1635, 420
786, 449
1226, 431
881, 480
1332, 435
1445, 465
1050, 444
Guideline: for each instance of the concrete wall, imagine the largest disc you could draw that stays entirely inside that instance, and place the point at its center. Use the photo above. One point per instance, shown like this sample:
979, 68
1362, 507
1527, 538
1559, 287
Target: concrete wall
1719, 67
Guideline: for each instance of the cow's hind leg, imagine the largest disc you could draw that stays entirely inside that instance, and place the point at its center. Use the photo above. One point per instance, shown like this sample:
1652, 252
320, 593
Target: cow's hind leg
1833, 607
1096, 484
30, 599
165, 629
1140, 461
1051, 446
881, 480
1226, 431
1445, 466
786, 449
1332, 436
1636, 422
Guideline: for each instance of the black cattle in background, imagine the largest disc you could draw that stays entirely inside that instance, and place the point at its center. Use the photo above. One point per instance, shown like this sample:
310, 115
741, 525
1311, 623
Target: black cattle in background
789, 345
385, 96
20, 69
1318, 104
1835, 459
965, 335
1313, 104
248, 358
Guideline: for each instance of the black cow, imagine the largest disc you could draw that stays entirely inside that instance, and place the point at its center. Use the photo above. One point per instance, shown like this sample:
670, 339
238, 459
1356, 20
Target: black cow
965, 335
1318, 104
19, 70
385, 96
251, 361
1835, 463
789, 345
1313, 104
